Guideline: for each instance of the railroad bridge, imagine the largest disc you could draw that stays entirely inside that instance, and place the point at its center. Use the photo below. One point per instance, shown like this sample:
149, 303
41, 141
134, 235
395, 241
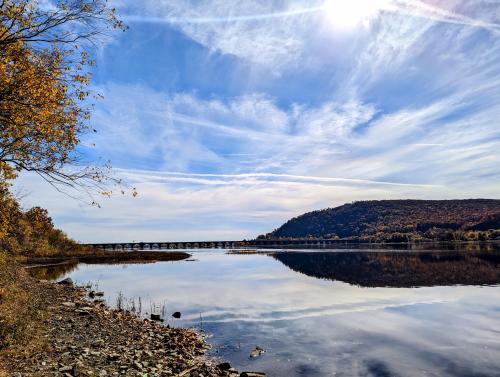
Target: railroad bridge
258, 243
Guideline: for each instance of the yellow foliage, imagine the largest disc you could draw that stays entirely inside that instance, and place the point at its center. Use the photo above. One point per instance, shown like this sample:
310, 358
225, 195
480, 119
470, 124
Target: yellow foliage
44, 74
29, 232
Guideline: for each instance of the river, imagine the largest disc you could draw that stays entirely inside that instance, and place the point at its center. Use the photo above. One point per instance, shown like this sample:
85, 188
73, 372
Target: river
325, 313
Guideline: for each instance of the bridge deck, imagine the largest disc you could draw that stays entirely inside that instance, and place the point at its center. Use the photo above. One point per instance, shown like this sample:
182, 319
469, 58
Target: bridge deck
220, 244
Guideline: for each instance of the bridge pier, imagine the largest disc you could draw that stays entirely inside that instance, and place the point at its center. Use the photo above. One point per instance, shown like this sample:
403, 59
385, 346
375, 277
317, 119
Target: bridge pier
260, 243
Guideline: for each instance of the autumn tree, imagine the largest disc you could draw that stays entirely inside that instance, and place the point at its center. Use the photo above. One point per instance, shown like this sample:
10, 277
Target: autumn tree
45, 105
9, 208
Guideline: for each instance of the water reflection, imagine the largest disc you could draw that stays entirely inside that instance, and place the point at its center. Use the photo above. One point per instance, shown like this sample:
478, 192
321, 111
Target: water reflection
316, 327
389, 269
52, 272
421, 246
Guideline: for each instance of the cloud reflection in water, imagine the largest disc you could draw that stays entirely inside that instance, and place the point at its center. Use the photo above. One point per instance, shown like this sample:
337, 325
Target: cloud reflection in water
314, 327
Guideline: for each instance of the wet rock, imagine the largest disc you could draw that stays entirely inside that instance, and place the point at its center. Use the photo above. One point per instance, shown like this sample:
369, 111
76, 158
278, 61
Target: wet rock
176, 315
67, 281
155, 317
257, 352
252, 374
224, 366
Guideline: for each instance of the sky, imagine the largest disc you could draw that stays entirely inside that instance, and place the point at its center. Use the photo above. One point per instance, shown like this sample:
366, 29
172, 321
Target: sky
230, 117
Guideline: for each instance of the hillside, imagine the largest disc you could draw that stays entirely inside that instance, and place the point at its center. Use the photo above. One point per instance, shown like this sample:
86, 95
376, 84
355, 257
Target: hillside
399, 221
396, 269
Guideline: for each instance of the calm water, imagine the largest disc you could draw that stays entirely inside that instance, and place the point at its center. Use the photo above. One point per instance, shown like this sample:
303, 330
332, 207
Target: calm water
313, 325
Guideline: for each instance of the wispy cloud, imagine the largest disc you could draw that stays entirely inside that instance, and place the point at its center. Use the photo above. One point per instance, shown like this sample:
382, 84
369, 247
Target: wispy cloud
195, 209
252, 179
261, 178
436, 13
280, 35
406, 105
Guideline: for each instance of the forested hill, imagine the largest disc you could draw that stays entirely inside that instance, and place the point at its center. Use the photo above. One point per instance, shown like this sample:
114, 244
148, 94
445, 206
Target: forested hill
399, 221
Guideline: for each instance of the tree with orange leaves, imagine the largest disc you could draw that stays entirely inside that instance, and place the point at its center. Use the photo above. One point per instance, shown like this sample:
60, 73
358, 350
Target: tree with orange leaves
44, 78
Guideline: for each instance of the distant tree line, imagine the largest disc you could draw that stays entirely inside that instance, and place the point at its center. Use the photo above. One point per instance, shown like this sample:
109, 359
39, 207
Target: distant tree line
399, 221
29, 232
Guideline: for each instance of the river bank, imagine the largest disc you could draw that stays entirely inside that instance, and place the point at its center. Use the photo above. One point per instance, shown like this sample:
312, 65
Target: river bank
103, 256
79, 337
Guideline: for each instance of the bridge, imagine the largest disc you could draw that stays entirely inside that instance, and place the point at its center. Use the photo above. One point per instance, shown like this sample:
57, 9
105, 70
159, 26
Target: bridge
258, 243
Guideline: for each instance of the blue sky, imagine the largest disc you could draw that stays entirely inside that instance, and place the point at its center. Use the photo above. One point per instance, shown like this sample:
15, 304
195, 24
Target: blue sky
231, 117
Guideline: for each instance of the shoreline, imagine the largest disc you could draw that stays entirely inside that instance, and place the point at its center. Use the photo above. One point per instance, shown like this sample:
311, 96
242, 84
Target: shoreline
98, 257
81, 337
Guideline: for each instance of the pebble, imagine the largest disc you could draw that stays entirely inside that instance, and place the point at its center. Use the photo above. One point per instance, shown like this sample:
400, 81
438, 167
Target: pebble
92, 340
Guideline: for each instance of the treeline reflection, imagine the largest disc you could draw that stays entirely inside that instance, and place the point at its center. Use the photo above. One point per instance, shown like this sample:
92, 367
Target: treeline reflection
398, 269
53, 272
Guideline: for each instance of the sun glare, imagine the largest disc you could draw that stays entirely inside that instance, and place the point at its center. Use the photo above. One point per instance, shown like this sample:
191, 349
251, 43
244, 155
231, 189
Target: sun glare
348, 14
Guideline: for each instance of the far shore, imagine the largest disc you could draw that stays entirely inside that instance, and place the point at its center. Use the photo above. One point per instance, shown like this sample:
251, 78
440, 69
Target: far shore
100, 256
96, 255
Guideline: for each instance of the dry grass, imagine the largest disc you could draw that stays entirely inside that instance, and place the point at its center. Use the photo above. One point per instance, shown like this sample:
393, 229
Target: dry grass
19, 308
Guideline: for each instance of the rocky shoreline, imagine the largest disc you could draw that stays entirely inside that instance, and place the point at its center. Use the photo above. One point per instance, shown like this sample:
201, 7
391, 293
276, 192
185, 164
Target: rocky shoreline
82, 338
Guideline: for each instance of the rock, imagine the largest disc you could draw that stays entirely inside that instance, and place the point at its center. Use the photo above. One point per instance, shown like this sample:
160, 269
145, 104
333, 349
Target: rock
78, 371
257, 352
92, 340
66, 281
252, 374
66, 369
224, 366
155, 317
113, 356
98, 294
